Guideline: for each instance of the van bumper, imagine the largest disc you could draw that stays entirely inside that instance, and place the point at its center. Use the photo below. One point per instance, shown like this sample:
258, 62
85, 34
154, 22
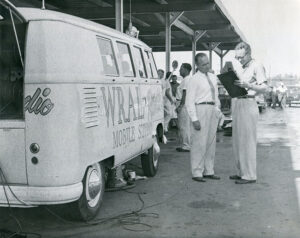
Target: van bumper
26, 196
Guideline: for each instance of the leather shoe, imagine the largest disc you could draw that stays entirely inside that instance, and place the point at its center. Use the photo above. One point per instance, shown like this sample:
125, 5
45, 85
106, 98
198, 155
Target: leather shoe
244, 181
215, 177
198, 179
182, 150
235, 177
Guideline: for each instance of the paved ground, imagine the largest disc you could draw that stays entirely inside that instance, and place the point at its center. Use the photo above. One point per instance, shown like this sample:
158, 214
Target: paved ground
176, 206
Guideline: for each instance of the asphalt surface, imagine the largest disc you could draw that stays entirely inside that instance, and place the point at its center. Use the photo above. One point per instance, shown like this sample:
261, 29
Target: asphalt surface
176, 206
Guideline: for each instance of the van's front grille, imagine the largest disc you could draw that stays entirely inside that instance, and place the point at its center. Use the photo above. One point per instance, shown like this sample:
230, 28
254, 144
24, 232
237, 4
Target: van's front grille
90, 107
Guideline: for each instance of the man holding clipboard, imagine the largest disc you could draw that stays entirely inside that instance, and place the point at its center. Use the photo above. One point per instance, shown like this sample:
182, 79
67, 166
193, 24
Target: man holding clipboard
251, 81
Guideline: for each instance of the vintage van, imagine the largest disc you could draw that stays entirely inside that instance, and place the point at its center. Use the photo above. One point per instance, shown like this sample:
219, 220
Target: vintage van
76, 98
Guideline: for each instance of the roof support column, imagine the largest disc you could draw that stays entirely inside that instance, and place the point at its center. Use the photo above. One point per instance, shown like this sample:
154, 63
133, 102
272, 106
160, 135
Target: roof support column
119, 15
221, 60
196, 37
168, 41
194, 49
210, 58
222, 57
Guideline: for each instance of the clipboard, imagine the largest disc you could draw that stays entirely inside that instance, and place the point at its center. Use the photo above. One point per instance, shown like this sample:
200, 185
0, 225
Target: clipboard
227, 79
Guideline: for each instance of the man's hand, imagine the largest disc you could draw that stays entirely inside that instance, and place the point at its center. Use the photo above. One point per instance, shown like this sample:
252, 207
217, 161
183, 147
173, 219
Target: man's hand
178, 109
197, 125
241, 84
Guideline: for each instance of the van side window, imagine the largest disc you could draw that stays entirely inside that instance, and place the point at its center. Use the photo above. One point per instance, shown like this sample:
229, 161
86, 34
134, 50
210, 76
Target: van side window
148, 60
11, 65
108, 57
140, 61
126, 59
153, 65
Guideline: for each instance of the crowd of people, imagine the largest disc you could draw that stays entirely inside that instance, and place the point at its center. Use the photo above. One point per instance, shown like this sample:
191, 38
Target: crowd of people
195, 104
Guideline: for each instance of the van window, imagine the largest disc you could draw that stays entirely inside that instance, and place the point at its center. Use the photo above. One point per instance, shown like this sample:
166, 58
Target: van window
140, 61
12, 42
126, 59
153, 65
109, 66
150, 66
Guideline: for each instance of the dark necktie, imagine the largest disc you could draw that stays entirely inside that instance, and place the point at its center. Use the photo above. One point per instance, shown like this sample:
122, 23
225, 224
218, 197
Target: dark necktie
212, 88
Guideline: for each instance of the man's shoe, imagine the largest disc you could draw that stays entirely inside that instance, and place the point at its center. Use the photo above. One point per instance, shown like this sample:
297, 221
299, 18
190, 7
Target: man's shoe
244, 181
179, 149
199, 179
215, 177
235, 177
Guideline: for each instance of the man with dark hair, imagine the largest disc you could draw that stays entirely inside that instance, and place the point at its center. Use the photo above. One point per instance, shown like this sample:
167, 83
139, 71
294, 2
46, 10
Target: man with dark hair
183, 118
202, 104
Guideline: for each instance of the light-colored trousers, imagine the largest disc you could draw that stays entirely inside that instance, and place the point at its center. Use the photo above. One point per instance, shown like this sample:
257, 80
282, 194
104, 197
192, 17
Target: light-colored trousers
244, 136
184, 132
203, 142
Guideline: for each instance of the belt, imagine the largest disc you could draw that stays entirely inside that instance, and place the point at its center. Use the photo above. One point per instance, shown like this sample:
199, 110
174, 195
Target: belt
246, 96
205, 103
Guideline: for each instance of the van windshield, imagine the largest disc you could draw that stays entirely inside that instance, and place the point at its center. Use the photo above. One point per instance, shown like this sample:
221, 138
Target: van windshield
12, 39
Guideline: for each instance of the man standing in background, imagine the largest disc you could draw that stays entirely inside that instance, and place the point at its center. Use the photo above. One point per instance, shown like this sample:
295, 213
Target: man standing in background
167, 97
202, 105
183, 118
282, 89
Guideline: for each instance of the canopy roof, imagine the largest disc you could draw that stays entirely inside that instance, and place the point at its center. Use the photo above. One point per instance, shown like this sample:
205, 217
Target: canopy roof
208, 18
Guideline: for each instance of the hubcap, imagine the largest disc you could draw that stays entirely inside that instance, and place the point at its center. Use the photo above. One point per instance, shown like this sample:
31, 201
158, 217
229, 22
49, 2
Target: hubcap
156, 153
94, 186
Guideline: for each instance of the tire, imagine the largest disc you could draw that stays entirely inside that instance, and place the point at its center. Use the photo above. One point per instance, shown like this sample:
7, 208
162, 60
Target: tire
150, 160
88, 205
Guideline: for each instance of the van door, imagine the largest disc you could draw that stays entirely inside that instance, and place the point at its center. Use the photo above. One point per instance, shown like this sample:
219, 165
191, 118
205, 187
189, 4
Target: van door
12, 125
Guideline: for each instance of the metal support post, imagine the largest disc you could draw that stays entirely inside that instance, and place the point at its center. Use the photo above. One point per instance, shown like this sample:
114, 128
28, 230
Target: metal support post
119, 15
168, 42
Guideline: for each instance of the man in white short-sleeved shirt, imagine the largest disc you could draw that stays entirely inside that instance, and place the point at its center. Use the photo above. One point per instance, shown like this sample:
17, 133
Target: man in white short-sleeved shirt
202, 104
252, 77
183, 118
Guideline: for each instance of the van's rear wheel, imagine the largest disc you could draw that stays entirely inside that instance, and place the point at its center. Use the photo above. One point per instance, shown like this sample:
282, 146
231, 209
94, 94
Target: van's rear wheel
150, 160
90, 201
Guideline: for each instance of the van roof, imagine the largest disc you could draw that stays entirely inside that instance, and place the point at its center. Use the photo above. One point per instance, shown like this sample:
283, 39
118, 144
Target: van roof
35, 14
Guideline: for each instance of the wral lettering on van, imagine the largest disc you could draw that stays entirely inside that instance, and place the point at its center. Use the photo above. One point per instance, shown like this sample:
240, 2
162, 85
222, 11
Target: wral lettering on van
136, 108
38, 103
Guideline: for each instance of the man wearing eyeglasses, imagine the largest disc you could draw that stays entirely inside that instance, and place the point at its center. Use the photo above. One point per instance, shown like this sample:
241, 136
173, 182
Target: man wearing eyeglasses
245, 115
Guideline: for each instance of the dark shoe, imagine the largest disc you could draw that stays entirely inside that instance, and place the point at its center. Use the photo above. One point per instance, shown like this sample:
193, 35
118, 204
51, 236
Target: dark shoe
199, 179
235, 177
244, 181
179, 149
215, 177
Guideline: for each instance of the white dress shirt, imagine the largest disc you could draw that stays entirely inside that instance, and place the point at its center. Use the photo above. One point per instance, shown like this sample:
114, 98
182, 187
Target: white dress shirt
199, 91
253, 73
183, 86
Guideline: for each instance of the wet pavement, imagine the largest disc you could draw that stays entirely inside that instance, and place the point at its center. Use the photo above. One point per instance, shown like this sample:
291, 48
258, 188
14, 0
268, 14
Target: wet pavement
176, 206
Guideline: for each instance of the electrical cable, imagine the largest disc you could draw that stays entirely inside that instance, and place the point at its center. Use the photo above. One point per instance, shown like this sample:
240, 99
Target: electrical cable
126, 219
20, 232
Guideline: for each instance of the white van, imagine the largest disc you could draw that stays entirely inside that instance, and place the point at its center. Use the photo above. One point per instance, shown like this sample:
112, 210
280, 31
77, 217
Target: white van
76, 98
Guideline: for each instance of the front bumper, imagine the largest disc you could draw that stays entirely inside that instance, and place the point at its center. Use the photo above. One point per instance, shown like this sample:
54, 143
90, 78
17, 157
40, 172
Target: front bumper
26, 196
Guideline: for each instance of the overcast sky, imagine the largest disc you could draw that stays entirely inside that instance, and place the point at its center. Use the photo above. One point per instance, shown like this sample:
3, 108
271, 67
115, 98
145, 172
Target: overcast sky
272, 27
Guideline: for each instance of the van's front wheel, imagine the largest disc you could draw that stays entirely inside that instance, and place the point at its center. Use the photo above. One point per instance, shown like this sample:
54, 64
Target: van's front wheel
150, 160
93, 189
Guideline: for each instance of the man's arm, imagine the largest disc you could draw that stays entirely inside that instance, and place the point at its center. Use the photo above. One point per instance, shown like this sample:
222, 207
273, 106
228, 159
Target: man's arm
190, 104
261, 85
168, 95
